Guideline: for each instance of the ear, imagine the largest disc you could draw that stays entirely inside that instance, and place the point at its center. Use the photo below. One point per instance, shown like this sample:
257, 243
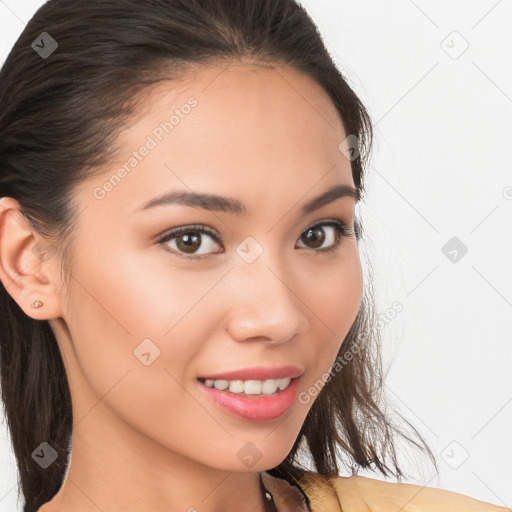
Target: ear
24, 268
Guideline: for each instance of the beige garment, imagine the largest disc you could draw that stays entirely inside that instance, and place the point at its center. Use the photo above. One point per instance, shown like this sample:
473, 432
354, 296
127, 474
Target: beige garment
363, 494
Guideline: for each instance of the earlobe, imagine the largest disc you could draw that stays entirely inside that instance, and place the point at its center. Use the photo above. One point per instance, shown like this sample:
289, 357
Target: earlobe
21, 265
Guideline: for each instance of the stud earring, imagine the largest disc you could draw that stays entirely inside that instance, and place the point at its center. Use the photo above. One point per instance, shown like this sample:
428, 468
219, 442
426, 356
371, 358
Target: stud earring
37, 303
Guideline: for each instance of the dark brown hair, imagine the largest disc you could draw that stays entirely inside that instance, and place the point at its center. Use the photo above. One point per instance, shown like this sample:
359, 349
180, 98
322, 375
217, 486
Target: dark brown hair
60, 115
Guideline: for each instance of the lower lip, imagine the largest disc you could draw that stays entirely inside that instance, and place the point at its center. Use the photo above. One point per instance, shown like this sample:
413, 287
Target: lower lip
254, 408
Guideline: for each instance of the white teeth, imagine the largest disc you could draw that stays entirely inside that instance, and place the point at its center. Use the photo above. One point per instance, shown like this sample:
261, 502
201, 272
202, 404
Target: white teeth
249, 387
221, 384
253, 387
236, 386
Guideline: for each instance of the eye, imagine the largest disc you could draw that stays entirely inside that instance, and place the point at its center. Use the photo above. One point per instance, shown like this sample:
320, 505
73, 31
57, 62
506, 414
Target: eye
317, 236
186, 241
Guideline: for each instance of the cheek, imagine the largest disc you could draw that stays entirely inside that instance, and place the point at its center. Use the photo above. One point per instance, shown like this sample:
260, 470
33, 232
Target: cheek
336, 297
129, 313
126, 308
334, 303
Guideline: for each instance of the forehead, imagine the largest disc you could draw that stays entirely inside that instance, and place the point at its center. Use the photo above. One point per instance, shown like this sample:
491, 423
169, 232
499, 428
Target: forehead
231, 128
241, 101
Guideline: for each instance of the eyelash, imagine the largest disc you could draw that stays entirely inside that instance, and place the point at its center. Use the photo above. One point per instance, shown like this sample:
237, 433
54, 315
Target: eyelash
342, 230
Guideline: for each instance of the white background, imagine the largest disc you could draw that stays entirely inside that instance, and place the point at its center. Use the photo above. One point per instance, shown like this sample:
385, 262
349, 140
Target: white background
441, 168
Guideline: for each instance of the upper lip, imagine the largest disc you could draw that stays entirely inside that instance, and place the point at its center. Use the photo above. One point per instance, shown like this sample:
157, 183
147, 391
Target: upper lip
258, 373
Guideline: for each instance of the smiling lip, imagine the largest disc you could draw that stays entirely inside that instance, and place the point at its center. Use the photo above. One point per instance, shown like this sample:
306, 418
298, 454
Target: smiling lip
258, 373
255, 408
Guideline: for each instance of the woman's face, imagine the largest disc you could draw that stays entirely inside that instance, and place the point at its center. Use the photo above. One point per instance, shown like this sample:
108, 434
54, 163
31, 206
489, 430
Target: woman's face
145, 319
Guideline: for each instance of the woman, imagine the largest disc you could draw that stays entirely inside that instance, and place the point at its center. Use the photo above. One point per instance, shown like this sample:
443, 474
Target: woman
183, 305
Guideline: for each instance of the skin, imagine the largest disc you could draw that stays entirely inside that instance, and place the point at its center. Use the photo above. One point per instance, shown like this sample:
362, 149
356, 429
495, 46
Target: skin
147, 435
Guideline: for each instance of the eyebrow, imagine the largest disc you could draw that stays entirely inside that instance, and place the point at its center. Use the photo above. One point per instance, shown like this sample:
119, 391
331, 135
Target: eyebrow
212, 202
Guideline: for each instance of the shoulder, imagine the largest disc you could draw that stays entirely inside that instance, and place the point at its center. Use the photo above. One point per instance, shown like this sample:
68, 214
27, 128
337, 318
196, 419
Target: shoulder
364, 494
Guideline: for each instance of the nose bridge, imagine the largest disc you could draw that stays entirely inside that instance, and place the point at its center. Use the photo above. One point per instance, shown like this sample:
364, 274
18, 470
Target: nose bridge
266, 305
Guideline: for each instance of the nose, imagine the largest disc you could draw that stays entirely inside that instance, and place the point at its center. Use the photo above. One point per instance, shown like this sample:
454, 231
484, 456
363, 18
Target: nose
263, 303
